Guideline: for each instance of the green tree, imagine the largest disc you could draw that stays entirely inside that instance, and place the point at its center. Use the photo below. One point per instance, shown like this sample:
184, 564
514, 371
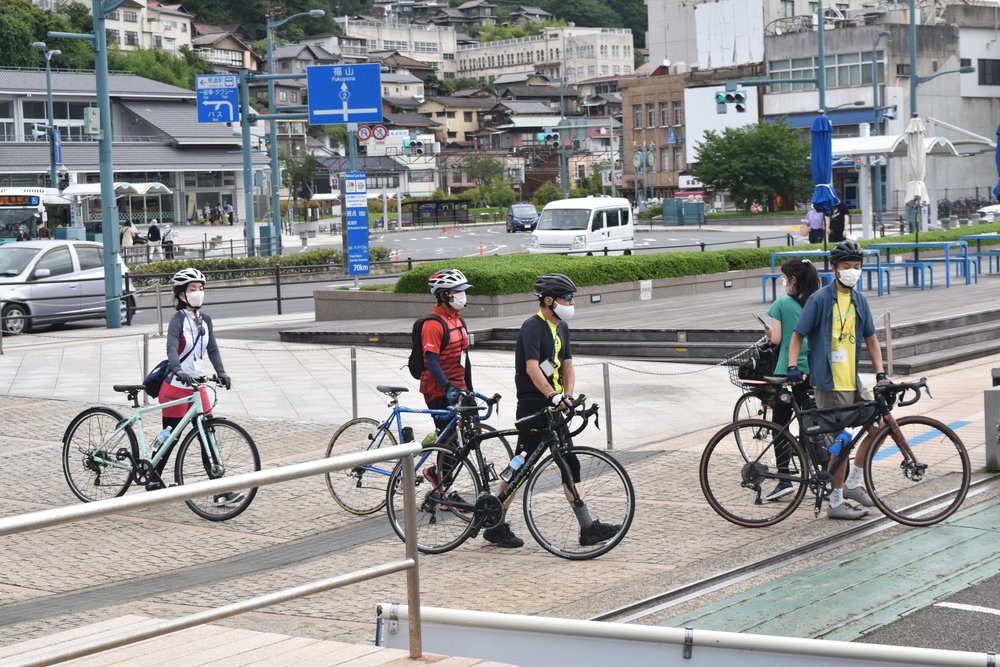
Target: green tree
163, 66
297, 176
755, 162
549, 191
482, 169
21, 23
495, 33
497, 193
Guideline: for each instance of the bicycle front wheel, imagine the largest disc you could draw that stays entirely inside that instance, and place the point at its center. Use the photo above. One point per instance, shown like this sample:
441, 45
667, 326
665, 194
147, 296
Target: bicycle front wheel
230, 452
604, 486
739, 468
921, 475
360, 490
446, 492
88, 457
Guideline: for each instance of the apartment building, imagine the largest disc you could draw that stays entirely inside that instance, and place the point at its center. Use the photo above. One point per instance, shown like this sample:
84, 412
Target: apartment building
142, 24
429, 44
563, 52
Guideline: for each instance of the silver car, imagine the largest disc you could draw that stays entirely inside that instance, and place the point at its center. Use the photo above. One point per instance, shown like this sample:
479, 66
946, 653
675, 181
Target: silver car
48, 282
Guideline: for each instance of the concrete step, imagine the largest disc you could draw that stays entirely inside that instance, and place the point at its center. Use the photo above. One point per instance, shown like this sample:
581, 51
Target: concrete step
711, 352
957, 336
690, 336
931, 325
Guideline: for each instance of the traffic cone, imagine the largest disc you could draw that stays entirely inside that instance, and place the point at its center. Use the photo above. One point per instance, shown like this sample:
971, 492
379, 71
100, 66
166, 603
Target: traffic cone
482, 249
395, 256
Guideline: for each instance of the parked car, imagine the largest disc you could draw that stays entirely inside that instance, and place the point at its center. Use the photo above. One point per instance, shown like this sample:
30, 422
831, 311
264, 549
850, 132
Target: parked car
586, 225
989, 213
521, 217
48, 282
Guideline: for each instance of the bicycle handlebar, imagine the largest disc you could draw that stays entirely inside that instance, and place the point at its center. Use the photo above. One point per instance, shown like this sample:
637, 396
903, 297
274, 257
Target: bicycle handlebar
898, 389
490, 401
570, 412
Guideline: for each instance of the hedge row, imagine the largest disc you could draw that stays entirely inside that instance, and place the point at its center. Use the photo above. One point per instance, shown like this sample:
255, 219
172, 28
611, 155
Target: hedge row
513, 274
234, 268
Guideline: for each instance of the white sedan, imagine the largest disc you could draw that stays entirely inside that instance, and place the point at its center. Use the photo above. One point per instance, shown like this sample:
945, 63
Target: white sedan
989, 213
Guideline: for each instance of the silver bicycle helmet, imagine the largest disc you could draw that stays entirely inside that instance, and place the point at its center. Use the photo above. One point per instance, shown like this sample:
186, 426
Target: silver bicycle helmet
554, 285
448, 279
188, 275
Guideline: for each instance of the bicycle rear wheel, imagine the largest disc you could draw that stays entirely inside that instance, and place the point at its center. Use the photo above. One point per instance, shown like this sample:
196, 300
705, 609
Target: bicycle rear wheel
921, 476
360, 490
237, 454
750, 406
89, 464
604, 486
739, 467
445, 503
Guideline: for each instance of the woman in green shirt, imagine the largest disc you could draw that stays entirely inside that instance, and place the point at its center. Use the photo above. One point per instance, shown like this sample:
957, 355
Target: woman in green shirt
800, 280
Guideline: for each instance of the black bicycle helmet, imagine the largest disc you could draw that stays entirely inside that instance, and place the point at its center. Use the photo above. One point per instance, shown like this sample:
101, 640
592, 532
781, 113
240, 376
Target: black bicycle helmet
846, 251
554, 285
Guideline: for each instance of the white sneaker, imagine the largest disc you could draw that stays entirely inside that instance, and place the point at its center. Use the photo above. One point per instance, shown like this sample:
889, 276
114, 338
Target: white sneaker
859, 495
845, 511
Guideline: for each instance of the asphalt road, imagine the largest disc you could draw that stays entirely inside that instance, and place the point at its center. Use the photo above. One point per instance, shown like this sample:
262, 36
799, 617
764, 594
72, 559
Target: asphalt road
438, 244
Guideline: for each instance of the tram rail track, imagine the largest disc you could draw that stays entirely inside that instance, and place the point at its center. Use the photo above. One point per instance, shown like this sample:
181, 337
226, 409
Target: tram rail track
662, 601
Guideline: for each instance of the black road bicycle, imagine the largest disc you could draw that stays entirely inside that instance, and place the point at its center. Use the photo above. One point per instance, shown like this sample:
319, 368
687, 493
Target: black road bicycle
916, 469
454, 501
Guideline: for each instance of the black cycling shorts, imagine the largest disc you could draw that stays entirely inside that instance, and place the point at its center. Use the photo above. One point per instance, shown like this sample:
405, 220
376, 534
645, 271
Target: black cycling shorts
528, 440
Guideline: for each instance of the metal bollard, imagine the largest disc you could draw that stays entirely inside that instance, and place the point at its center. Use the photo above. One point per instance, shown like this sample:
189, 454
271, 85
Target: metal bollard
277, 286
354, 382
991, 421
607, 406
159, 310
758, 241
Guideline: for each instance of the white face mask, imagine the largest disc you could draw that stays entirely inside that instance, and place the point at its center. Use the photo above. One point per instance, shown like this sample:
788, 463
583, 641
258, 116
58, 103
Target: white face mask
849, 277
195, 299
458, 300
563, 312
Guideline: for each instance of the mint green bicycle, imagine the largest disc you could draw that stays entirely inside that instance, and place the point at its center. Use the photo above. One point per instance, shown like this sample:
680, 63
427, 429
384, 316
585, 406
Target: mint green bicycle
104, 452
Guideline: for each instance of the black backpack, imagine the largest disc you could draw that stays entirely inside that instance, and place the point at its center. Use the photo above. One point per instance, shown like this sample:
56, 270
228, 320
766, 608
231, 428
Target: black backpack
416, 360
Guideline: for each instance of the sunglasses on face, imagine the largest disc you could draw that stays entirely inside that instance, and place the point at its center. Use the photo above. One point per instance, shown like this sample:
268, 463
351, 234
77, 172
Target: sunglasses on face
568, 297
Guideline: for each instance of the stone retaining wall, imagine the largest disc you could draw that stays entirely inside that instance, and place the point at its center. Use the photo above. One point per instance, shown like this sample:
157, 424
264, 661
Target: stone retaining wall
362, 305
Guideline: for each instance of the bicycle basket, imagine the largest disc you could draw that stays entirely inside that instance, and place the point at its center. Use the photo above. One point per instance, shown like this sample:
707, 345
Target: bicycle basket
752, 363
835, 420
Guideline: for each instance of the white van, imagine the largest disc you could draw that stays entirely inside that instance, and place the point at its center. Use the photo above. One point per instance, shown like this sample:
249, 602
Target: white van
587, 225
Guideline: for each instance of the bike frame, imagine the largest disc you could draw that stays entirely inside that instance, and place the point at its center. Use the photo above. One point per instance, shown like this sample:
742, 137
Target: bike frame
195, 413
397, 417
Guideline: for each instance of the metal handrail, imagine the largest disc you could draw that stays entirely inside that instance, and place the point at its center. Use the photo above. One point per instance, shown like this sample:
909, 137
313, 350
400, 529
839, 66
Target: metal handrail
72, 513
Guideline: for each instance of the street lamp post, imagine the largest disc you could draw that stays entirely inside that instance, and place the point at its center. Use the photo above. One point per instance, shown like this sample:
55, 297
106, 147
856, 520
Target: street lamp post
273, 125
53, 175
917, 80
877, 178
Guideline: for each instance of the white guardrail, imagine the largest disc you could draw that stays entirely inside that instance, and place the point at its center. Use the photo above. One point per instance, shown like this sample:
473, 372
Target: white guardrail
21, 523
537, 641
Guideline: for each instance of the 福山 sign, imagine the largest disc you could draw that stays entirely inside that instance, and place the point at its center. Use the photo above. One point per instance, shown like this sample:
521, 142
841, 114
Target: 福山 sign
356, 224
340, 94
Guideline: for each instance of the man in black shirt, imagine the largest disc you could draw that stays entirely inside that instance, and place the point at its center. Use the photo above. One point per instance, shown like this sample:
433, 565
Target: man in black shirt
840, 219
544, 377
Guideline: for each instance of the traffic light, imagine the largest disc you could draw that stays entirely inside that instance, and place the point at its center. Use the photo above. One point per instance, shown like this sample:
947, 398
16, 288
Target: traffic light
549, 137
738, 98
417, 147
408, 144
37, 131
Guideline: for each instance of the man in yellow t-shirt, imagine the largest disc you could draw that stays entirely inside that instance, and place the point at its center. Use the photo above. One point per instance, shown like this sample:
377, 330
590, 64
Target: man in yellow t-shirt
836, 319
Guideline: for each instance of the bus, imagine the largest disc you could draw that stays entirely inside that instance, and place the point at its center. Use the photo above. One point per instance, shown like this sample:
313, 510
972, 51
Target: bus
29, 207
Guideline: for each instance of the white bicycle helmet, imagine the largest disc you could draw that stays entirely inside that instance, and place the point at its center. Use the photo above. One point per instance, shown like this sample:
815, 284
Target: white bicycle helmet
188, 275
448, 279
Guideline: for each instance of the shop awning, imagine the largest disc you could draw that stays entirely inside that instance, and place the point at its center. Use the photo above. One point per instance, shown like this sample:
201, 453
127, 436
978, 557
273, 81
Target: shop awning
121, 188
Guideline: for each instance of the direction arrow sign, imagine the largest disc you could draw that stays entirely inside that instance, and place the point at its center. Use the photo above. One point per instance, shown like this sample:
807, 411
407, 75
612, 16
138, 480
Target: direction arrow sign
341, 94
218, 98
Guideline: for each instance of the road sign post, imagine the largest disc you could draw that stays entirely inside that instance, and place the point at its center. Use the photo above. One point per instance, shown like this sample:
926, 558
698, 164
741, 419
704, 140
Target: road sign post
218, 98
356, 224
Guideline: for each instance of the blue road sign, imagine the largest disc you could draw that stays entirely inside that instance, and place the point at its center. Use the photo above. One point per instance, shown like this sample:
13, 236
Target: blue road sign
57, 143
218, 98
356, 203
340, 94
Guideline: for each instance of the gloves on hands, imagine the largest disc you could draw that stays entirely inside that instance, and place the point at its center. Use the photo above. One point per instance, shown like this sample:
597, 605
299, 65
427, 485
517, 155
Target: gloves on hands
224, 378
184, 378
882, 379
794, 375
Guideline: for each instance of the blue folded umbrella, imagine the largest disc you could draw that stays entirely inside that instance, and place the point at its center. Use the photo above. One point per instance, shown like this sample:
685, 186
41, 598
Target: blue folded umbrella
821, 161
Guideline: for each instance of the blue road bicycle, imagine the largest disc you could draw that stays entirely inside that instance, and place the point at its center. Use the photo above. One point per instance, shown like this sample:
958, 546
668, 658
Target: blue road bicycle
361, 490
104, 452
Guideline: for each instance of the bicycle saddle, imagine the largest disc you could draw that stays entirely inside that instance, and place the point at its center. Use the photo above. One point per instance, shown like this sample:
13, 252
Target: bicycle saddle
129, 387
775, 379
385, 389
